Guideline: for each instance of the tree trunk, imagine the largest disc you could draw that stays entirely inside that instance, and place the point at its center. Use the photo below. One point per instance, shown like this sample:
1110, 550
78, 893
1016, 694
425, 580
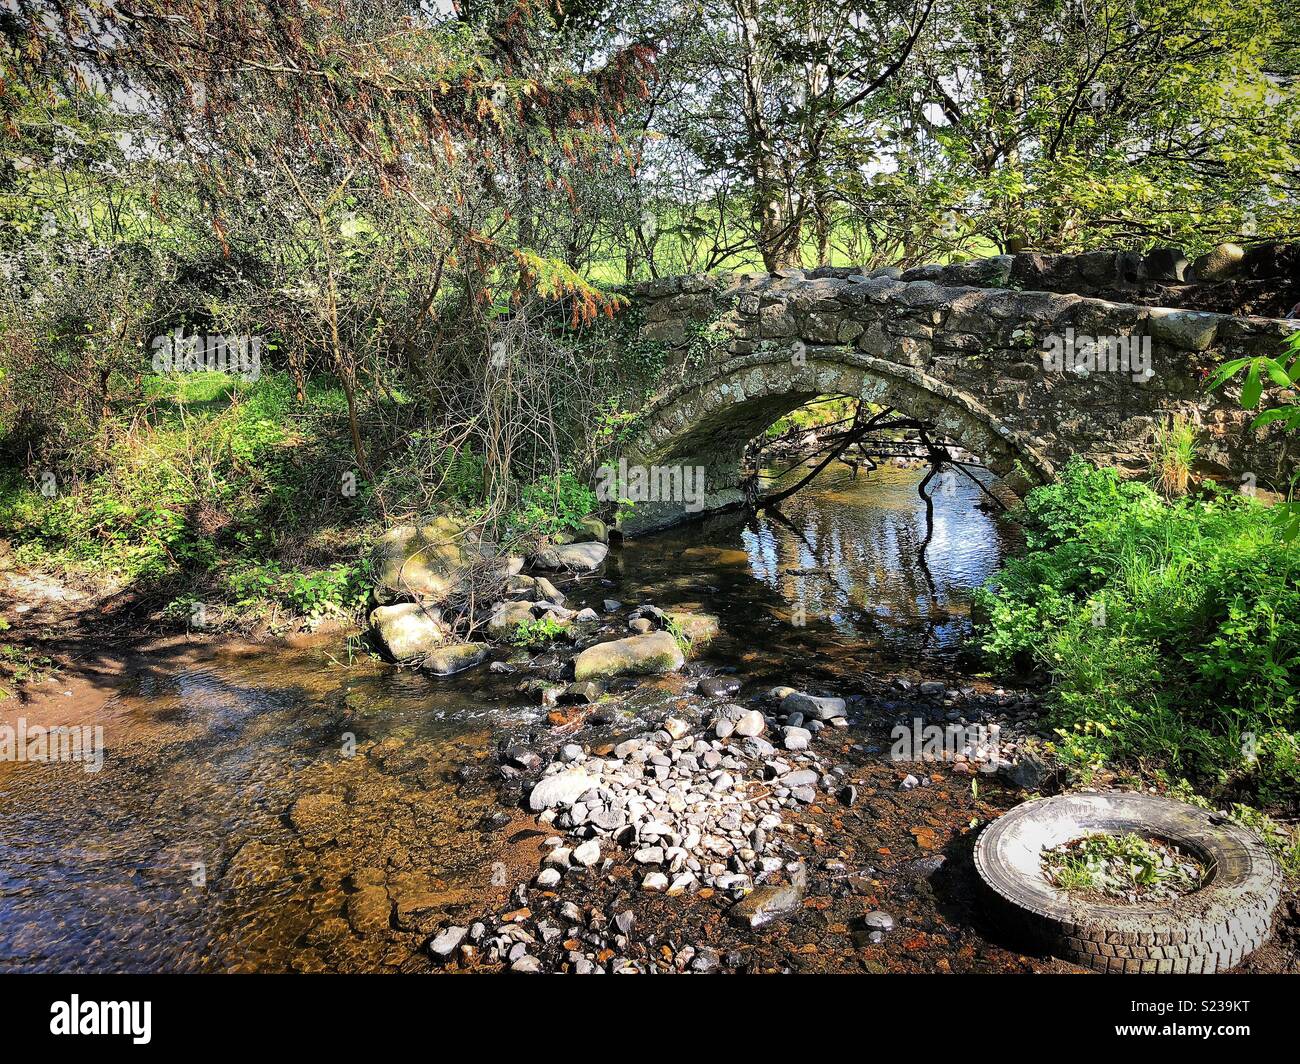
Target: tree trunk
776, 230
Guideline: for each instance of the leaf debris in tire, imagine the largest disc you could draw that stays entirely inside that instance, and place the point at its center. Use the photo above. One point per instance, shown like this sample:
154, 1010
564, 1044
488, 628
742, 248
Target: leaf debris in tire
1125, 867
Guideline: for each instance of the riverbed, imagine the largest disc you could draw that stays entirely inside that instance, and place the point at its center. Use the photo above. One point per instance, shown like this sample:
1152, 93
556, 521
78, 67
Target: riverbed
192, 850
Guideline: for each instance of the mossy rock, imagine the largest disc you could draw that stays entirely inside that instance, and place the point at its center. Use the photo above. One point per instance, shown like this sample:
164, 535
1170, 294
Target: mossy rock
507, 616
1222, 263
696, 628
430, 563
593, 528
408, 630
638, 655
453, 658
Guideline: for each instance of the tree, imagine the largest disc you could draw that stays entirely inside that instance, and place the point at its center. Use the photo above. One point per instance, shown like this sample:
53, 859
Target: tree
782, 96
1081, 123
367, 176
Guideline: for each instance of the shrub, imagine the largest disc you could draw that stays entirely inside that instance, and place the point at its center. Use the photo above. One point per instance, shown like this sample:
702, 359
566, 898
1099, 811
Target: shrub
1171, 630
550, 505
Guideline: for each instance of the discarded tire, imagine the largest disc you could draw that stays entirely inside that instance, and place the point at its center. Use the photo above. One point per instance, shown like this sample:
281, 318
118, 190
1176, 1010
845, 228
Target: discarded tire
1207, 931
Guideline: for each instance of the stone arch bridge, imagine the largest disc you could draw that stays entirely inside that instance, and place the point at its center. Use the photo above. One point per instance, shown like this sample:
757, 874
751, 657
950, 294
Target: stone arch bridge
1022, 360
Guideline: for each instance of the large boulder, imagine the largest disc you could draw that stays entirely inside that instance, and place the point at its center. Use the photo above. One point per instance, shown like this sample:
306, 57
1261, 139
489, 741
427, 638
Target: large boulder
430, 563
573, 557
638, 655
408, 630
453, 657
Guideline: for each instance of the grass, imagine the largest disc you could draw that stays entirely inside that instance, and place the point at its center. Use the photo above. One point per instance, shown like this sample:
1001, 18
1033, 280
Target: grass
1170, 630
229, 504
222, 502
1175, 450
679, 249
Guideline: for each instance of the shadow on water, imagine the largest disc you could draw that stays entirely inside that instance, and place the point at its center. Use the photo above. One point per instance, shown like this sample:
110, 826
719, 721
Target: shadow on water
193, 849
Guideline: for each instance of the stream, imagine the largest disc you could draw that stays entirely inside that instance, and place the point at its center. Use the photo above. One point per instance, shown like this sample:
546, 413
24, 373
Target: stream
192, 849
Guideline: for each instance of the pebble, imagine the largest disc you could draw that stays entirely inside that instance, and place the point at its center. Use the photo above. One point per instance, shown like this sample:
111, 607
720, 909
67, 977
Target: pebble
587, 854
687, 807
676, 727
796, 738
799, 778
770, 902
447, 941
563, 788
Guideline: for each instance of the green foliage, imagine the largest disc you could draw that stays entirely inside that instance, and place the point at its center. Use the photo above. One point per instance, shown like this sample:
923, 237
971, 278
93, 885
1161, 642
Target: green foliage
537, 631
823, 411
1283, 841
336, 590
1171, 630
1260, 370
673, 627
551, 505
1282, 373
1117, 865
226, 487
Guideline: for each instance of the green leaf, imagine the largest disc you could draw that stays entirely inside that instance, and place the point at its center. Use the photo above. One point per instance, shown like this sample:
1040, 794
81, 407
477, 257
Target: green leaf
1277, 373
1225, 373
1288, 415
1252, 389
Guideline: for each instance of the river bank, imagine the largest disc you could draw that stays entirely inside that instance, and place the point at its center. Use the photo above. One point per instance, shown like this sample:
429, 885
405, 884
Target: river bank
272, 807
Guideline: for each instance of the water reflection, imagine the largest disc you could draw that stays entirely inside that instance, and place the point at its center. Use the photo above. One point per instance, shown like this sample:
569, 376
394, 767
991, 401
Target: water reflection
843, 554
185, 852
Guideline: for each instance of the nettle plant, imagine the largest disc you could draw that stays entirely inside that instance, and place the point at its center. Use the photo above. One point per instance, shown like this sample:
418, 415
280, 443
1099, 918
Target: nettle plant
1260, 373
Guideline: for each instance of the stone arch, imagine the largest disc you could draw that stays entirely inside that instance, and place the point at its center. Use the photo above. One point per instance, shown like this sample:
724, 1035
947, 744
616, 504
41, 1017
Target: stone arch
707, 421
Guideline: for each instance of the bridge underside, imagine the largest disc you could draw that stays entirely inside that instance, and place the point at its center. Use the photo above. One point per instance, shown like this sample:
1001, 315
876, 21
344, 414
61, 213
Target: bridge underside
710, 424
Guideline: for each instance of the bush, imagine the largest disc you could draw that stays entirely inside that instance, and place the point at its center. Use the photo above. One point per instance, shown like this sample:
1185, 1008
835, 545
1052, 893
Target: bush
550, 505
1171, 630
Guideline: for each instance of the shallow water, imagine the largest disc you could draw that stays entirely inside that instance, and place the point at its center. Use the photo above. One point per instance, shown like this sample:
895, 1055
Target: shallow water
182, 853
